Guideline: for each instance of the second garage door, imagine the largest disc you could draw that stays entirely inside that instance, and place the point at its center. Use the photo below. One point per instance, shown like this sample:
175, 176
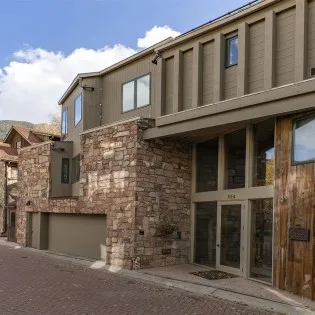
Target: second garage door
77, 235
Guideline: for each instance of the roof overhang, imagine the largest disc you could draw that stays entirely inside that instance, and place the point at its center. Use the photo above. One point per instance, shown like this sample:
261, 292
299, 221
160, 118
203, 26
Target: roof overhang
117, 65
9, 135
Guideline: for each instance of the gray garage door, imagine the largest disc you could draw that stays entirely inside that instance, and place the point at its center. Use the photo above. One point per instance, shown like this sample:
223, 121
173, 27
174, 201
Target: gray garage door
77, 235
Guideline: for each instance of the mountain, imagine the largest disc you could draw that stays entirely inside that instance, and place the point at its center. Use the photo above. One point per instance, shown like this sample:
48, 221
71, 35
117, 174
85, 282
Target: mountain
5, 126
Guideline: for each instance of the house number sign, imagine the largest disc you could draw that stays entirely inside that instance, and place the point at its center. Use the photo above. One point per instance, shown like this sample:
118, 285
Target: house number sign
299, 234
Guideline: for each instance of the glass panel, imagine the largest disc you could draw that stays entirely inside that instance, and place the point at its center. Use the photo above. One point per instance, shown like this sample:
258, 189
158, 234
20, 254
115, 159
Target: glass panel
261, 239
143, 91
264, 153
77, 110
207, 165
205, 237
232, 51
65, 168
235, 151
64, 124
230, 247
128, 96
304, 149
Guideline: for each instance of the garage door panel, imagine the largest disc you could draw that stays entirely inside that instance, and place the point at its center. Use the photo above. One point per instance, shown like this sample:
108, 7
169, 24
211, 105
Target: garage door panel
77, 235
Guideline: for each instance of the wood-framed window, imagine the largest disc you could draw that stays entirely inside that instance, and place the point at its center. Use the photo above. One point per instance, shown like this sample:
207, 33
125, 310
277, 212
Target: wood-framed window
75, 165
136, 93
231, 48
303, 148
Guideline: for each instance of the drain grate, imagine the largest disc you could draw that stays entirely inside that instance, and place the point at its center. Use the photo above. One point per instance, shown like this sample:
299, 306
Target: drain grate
214, 275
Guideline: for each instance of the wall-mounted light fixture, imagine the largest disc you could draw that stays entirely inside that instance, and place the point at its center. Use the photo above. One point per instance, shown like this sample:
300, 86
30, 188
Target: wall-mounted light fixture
156, 57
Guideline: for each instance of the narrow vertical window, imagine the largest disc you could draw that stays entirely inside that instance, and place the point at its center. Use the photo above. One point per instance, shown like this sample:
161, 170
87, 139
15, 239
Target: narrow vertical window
231, 51
65, 169
78, 110
75, 168
64, 123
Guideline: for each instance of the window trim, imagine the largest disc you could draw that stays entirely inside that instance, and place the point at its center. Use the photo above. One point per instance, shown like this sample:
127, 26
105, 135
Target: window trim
135, 93
66, 133
294, 121
80, 95
227, 51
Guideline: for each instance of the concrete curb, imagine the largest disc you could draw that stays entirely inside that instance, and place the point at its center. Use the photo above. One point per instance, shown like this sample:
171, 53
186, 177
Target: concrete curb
199, 289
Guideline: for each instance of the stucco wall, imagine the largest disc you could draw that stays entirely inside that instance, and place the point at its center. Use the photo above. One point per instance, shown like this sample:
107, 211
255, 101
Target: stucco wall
137, 184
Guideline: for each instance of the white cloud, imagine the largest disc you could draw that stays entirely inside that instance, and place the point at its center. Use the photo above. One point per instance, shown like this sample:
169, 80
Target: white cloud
33, 82
155, 35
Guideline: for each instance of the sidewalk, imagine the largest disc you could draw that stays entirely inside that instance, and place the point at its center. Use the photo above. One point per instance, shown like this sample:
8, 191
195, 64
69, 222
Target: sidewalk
238, 290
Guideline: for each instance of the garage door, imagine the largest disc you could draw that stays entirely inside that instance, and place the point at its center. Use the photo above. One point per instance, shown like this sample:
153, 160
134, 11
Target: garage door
77, 235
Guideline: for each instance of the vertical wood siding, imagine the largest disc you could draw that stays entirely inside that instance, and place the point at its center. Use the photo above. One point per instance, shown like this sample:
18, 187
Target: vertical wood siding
187, 79
311, 38
112, 83
169, 85
207, 82
285, 47
256, 56
294, 261
230, 82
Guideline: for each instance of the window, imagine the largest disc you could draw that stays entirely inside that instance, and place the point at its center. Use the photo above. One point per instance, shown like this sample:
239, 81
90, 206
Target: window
65, 169
14, 172
207, 165
76, 168
77, 109
303, 146
136, 93
264, 153
231, 51
64, 123
18, 144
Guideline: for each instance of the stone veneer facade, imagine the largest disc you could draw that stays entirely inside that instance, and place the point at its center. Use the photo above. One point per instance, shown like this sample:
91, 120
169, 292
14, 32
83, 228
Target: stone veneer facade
2, 193
144, 188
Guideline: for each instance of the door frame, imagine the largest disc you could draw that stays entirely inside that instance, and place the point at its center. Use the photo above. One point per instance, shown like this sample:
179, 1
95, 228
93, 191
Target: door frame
243, 242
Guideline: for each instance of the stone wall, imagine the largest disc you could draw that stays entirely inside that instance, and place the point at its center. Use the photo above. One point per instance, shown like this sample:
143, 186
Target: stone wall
142, 187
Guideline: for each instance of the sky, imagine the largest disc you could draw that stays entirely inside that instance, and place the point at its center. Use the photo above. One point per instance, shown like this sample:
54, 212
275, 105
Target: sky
45, 43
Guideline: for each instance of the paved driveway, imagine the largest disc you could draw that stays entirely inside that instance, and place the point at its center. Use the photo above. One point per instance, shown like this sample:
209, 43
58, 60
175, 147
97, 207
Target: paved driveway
32, 283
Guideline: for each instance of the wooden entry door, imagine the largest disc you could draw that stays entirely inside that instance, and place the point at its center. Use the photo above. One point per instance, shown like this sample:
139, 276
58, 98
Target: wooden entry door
11, 226
230, 237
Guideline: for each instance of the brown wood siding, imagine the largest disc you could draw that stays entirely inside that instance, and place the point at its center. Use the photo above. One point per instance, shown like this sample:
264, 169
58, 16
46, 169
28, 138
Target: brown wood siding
294, 261
256, 56
285, 47
187, 79
230, 82
112, 85
311, 38
207, 56
169, 86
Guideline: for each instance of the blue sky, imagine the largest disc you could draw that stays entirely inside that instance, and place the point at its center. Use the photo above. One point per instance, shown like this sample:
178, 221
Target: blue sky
66, 25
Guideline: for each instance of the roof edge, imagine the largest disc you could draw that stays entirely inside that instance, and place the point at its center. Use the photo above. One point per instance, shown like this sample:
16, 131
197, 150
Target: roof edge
113, 67
229, 17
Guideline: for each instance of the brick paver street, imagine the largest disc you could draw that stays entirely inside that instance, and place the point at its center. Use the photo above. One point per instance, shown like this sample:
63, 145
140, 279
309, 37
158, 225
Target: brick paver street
31, 283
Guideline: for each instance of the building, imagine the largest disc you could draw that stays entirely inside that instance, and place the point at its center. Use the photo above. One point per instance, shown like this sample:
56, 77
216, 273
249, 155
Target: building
198, 149
18, 137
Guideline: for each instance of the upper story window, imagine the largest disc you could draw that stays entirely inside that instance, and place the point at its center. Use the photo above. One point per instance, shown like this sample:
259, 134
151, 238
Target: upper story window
64, 123
77, 109
18, 144
303, 146
136, 93
231, 51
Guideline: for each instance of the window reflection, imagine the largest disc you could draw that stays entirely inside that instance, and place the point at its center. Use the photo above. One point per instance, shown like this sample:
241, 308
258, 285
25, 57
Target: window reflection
304, 144
143, 91
128, 96
232, 51
77, 110
264, 153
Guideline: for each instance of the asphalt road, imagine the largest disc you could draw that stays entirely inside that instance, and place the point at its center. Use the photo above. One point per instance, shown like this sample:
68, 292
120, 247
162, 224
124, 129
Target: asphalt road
32, 283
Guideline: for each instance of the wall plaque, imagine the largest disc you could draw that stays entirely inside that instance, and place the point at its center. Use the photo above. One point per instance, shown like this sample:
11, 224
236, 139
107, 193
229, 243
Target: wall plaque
299, 234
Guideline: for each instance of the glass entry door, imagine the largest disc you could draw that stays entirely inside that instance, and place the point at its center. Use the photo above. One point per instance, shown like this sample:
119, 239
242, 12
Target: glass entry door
229, 257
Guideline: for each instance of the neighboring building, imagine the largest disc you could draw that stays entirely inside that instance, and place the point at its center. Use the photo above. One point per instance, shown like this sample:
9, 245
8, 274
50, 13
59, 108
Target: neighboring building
17, 138
205, 155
